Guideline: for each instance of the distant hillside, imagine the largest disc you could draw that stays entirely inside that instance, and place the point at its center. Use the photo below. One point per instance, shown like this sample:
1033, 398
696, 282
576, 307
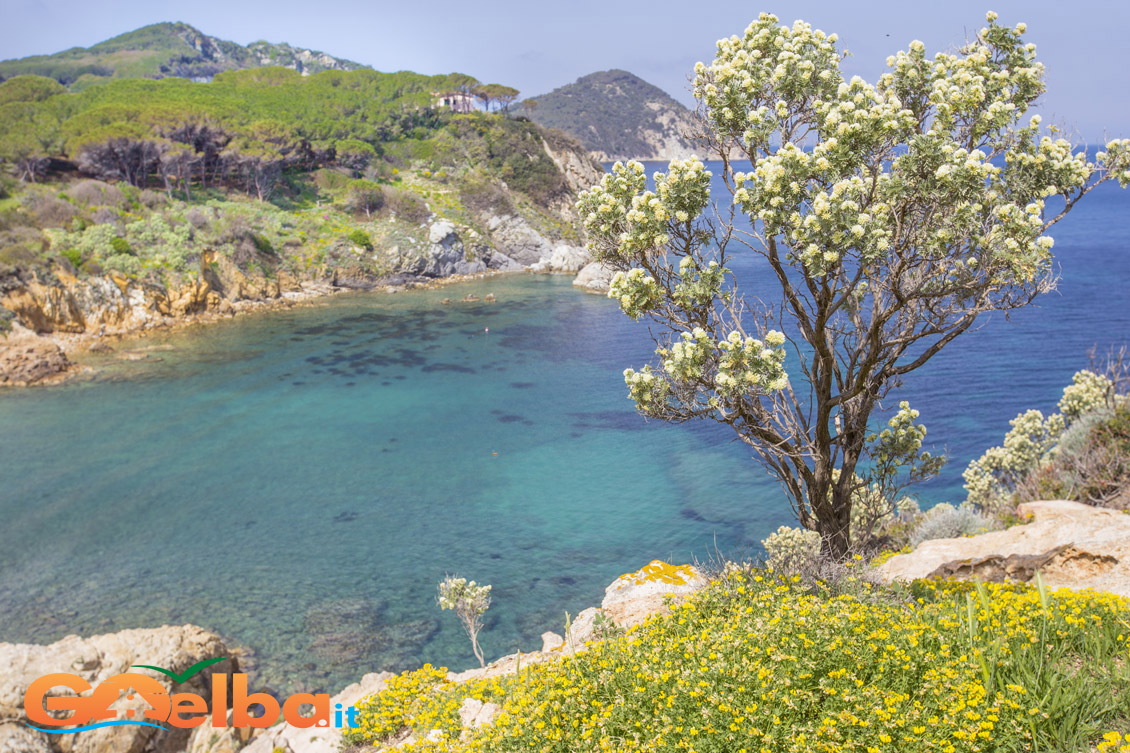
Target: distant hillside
618, 115
167, 49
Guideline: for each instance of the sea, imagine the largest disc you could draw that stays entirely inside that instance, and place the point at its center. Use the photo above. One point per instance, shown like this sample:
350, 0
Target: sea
300, 480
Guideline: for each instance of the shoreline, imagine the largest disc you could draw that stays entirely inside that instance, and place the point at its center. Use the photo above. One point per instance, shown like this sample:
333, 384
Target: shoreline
77, 345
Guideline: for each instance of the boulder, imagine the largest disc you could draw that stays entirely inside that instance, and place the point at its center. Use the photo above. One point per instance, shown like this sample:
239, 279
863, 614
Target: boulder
474, 713
1073, 545
634, 597
446, 255
582, 629
594, 277
566, 259
551, 641
513, 237
96, 659
31, 360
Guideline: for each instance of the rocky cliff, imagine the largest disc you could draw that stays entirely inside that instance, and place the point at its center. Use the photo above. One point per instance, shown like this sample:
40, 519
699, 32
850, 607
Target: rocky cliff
233, 266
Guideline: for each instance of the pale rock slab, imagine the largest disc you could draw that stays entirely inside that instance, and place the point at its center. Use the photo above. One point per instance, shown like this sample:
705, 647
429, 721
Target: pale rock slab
594, 277
1073, 545
96, 659
634, 597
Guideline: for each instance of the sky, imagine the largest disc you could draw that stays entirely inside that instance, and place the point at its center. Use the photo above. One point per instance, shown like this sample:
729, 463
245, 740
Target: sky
537, 46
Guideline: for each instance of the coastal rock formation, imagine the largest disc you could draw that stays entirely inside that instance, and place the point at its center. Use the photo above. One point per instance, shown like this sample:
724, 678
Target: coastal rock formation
96, 659
32, 361
109, 304
594, 277
513, 236
474, 713
565, 258
581, 171
1073, 545
634, 597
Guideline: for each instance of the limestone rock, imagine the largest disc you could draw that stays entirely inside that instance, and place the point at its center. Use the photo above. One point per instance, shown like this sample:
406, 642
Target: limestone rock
96, 659
16, 738
551, 641
634, 597
513, 236
1072, 544
208, 739
474, 713
31, 360
581, 171
565, 258
594, 277
582, 629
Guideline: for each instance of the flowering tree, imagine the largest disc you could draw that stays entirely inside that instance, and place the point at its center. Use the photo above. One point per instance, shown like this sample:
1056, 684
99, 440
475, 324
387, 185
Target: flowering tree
469, 602
891, 217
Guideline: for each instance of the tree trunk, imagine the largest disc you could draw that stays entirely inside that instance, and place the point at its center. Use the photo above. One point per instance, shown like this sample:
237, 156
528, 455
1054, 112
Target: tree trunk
834, 519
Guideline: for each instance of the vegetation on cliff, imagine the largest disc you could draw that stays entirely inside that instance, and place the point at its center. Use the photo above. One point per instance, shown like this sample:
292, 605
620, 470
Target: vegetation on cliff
758, 662
616, 115
266, 170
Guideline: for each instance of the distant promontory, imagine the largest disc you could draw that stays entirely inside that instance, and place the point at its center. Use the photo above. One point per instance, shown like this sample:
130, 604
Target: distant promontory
617, 115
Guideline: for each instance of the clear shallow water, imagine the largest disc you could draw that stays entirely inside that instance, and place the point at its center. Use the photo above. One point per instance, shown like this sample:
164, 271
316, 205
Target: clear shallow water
300, 480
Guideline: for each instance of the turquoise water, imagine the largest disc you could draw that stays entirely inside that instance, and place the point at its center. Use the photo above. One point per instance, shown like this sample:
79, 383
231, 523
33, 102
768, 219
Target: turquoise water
300, 480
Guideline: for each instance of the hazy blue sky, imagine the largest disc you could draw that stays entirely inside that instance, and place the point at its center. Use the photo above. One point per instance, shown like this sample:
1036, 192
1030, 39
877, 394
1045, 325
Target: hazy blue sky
538, 46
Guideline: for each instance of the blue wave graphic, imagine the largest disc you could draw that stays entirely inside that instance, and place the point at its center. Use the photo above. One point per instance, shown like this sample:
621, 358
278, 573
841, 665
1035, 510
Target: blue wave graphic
90, 727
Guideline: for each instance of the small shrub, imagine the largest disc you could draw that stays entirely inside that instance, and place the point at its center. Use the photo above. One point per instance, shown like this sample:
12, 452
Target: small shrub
73, 255
792, 550
197, 218
50, 211
104, 216
262, 244
360, 238
121, 246
603, 627
483, 195
406, 206
90, 193
1102, 467
152, 199
945, 521
127, 264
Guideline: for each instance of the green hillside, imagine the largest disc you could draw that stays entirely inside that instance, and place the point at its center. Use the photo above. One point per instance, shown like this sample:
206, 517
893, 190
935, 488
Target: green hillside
325, 163
166, 49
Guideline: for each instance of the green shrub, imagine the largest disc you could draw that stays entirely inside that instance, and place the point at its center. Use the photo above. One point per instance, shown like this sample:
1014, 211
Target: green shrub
73, 255
121, 246
263, 245
127, 264
360, 238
